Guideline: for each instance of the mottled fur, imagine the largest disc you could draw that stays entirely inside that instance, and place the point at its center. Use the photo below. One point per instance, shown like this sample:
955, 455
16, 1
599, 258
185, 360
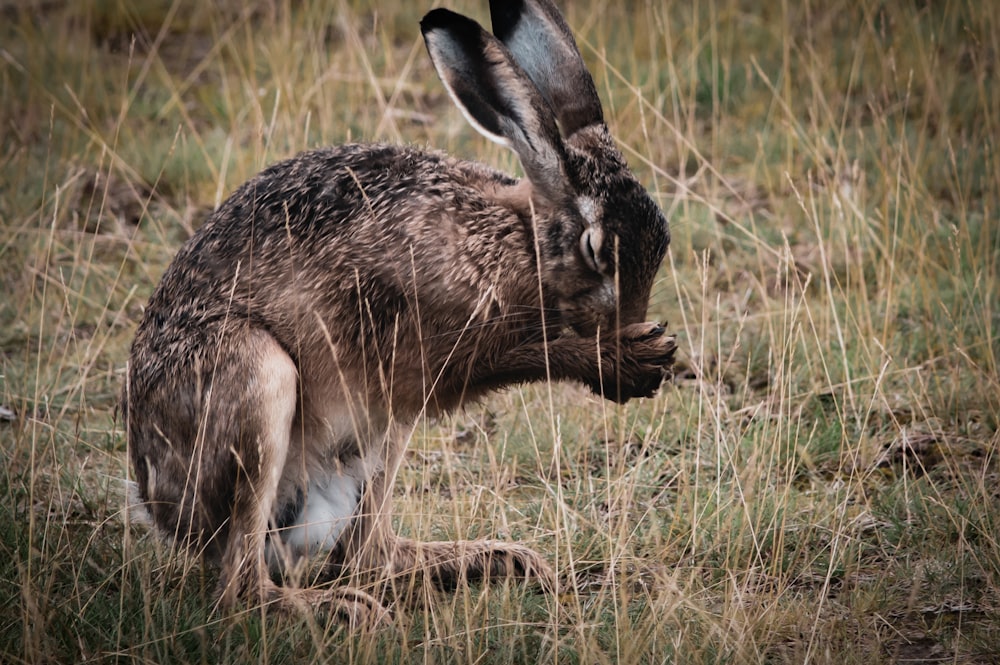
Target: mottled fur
339, 295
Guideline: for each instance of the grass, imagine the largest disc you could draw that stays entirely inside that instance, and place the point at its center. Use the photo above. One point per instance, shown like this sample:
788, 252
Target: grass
818, 485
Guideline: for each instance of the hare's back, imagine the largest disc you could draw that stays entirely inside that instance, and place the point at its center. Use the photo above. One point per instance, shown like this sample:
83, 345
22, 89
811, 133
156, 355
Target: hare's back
323, 193
313, 234
327, 207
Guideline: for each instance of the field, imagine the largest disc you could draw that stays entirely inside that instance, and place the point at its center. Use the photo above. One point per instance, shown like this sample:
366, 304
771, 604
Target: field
820, 483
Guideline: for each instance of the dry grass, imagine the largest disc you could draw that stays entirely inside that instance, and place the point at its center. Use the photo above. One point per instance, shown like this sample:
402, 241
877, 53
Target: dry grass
818, 485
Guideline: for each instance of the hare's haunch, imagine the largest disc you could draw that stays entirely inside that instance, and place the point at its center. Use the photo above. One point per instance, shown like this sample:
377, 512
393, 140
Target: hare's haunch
337, 296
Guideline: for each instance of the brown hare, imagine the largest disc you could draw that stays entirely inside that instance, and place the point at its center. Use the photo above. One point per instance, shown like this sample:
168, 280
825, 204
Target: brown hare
339, 295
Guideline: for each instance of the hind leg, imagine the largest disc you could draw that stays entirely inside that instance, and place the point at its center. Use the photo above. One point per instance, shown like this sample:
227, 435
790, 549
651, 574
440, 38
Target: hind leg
208, 431
209, 441
450, 563
263, 379
262, 452
372, 545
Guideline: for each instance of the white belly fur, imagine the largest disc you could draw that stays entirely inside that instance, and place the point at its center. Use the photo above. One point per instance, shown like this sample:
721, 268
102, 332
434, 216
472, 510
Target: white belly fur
332, 491
327, 512
330, 503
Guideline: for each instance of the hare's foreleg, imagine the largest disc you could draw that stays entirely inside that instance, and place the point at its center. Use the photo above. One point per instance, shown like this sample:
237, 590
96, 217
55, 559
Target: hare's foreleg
619, 366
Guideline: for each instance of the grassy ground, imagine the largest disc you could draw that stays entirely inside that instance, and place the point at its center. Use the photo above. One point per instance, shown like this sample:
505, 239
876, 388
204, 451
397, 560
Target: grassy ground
820, 484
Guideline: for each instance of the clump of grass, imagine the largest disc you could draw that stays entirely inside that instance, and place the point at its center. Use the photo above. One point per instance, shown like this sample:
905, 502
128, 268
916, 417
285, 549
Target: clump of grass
817, 485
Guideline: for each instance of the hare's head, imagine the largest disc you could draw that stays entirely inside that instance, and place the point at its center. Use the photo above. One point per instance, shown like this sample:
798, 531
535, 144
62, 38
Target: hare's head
600, 236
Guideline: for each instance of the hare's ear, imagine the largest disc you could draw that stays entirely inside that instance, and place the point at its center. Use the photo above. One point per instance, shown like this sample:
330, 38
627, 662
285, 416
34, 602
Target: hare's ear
497, 97
540, 40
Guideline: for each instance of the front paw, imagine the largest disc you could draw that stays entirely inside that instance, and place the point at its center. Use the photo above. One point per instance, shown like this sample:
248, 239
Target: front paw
636, 362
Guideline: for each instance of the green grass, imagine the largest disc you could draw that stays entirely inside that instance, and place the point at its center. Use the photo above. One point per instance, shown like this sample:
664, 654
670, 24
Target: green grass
818, 485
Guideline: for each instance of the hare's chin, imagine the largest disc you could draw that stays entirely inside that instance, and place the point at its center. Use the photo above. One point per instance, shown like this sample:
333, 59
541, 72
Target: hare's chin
595, 311
583, 321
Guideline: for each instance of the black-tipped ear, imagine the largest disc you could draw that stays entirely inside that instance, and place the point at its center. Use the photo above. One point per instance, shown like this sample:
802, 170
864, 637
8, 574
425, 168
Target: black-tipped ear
541, 42
497, 96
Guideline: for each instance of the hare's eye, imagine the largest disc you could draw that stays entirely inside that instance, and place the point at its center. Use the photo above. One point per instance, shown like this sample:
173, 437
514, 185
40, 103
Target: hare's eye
590, 247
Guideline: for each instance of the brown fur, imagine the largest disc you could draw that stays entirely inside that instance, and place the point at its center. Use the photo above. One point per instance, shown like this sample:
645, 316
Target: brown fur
338, 296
